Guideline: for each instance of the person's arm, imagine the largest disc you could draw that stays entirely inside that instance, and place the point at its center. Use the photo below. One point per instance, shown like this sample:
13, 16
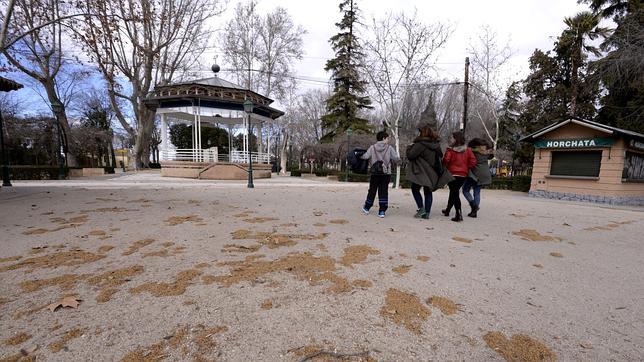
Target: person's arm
471, 159
367, 155
448, 157
393, 155
414, 151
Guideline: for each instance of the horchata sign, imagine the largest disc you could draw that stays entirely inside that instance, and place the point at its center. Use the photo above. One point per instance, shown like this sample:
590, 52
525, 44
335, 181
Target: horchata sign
575, 143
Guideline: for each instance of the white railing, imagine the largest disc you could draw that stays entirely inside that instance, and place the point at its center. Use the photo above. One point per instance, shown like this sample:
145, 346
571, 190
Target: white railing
211, 155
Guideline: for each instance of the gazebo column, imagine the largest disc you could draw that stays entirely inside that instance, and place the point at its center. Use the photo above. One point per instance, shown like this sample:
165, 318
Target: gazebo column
260, 138
164, 137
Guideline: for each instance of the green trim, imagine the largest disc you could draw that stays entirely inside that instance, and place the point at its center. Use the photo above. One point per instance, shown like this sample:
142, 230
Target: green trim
575, 143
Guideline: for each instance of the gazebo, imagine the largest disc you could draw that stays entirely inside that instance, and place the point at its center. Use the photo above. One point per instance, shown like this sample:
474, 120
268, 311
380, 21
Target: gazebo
212, 102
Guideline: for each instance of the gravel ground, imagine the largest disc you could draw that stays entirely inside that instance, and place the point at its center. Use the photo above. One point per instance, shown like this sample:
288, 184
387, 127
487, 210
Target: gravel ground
202, 270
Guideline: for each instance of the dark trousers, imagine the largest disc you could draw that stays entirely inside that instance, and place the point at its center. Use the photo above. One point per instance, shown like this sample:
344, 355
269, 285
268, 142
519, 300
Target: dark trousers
380, 184
454, 193
415, 191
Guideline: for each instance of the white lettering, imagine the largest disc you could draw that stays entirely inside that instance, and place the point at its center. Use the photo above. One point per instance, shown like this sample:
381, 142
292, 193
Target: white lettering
549, 144
592, 142
567, 143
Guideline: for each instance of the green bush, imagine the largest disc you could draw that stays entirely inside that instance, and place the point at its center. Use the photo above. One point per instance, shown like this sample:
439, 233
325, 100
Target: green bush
516, 183
296, 173
109, 170
36, 172
353, 177
321, 173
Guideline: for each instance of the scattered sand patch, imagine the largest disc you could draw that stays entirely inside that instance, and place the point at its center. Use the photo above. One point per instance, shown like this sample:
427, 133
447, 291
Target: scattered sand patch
21, 313
202, 265
109, 209
163, 253
81, 219
556, 254
11, 258
339, 221
105, 199
288, 225
304, 266
537, 266
259, 220
196, 342
422, 258
267, 304
17, 339
108, 281
97, 233
39, 231
105, 248
137, 245
69, 335
275, 240
177, 287
533, 235
446, 306
66, 281
610, 226
519, 348
236, 248
55, 260
178, 220
402, 269
322, 247
405, 309
318, 353
167, 244
319, 224
361, 283
462, 240
357, 254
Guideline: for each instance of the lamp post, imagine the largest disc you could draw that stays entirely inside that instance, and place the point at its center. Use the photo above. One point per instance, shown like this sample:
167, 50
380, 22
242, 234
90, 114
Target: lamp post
248, 108
346, 167
57, 108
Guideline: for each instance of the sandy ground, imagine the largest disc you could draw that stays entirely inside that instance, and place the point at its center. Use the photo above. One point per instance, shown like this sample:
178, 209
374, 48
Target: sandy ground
201, 270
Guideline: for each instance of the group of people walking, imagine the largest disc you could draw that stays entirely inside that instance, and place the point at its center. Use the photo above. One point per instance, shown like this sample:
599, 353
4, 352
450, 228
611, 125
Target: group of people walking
463, 167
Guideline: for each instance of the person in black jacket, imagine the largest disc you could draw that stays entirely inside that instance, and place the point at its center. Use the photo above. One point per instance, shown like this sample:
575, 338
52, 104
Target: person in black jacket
425, 169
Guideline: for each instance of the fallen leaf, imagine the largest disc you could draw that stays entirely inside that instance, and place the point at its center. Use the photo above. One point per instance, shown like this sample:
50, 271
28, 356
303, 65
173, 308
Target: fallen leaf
71, 302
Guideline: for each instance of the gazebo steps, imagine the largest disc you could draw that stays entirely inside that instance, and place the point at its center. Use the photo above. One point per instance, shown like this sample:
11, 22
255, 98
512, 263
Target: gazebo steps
213, 171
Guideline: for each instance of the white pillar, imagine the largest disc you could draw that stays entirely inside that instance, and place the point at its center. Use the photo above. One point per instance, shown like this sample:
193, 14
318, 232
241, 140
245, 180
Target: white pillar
199, 133
164, 137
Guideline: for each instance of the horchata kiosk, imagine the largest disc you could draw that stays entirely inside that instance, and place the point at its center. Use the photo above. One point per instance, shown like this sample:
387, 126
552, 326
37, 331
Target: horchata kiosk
582, 160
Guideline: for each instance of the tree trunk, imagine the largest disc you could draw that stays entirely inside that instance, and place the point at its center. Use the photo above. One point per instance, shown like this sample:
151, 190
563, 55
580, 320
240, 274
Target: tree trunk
113, 155
61, 116
142, 139
283, 157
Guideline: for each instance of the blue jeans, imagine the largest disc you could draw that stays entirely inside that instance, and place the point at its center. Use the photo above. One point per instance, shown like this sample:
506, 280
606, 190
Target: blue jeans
471, 184
415, 191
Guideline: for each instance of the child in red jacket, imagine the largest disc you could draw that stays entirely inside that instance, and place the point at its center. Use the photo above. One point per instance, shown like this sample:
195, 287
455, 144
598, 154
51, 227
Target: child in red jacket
458, 159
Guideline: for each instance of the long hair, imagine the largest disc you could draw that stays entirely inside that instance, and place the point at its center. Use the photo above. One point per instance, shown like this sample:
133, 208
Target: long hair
426, 131
459, 139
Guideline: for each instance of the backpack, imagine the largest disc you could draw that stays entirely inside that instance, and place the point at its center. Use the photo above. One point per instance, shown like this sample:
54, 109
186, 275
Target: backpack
356, 163
378, 167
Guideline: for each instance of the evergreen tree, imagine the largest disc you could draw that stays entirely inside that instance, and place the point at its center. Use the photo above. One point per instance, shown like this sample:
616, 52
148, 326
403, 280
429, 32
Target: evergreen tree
348, 96
621, 71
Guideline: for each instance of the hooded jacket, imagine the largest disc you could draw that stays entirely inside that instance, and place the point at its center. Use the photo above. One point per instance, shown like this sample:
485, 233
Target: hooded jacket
459, 160
481, 172
424, 166
381, 151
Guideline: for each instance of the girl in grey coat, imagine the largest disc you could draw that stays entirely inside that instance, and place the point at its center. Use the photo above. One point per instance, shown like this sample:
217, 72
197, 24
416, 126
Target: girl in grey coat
479, 176
425, 169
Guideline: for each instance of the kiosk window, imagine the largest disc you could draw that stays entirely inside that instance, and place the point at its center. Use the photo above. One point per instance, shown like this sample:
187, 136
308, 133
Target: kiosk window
633, 166
576, 163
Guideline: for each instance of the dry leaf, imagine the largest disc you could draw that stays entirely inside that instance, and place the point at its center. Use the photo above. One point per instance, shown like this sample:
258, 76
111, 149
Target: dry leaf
71, 302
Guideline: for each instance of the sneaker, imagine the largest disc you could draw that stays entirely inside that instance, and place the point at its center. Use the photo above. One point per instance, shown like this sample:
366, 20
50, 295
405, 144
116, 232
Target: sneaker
381, 214
365, 211
426, 216
420, 213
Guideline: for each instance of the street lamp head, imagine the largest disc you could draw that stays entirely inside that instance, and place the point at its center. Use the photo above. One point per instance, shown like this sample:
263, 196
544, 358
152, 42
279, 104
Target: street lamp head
248, 106
349, 131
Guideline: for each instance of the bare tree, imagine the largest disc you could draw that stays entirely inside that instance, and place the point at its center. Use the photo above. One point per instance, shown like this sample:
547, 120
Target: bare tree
488, 58
399, 56
262, 49
138, 45
40, 54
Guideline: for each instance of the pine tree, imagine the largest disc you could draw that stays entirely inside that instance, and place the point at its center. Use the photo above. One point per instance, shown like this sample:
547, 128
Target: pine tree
349, 89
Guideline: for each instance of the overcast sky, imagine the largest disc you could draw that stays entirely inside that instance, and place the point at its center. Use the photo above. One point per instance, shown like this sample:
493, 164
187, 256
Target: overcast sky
527, 24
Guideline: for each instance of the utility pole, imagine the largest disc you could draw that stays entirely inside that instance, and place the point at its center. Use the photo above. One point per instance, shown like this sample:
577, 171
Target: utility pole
466, 86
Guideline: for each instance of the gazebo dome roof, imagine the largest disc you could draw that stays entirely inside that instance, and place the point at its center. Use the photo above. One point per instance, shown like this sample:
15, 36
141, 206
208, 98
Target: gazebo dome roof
210, 92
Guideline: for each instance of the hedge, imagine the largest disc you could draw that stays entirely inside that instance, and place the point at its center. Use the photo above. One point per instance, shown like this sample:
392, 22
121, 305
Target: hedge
515, 183
296, 173
26, 172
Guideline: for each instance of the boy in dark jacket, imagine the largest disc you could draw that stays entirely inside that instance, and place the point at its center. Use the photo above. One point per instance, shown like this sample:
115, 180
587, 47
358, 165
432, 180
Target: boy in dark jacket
380, 152
479, 176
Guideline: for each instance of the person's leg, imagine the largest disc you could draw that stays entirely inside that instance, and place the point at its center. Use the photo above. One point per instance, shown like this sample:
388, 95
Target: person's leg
415, 192
371, 194
383, 193
450, 198
455, 190
466, 189
428, 201
477, 196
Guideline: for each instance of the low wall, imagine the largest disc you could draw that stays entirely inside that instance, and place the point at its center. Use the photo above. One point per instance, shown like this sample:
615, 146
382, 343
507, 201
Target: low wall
213, 171
612, 200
